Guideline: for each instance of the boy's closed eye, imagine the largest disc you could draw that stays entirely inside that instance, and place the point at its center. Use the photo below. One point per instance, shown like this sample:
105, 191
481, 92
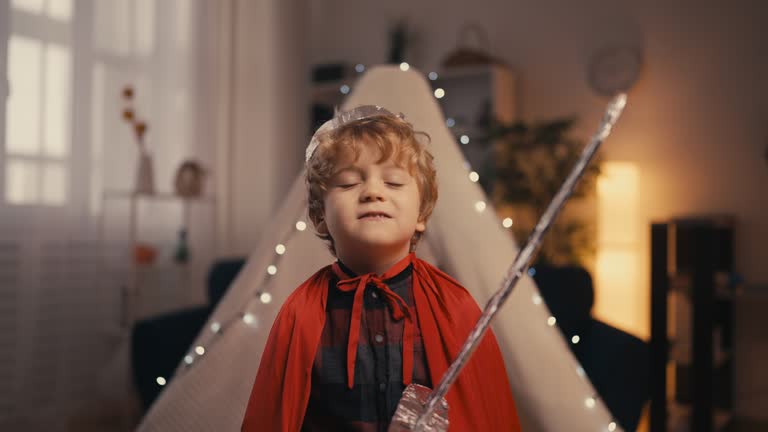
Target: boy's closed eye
349, 178
347, 185
346, 179
396, 177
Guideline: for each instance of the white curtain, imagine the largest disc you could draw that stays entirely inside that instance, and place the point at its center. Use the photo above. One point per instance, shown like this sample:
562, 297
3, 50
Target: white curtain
64, 144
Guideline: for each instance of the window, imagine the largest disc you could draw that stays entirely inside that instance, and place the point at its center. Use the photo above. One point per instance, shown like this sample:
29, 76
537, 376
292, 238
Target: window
37, 145
63, 143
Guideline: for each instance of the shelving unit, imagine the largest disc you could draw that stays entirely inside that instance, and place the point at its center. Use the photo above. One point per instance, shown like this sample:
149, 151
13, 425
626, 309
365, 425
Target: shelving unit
691, 325
142, 275
474, 97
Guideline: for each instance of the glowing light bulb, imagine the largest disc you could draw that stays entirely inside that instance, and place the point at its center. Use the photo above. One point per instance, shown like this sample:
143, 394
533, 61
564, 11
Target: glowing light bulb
404, 66
265, 298
301, 225
160, 381
280, 249
551, 321
200, 350
215, 326
439, 93
474, 177
480, 206
464, 139
507, 223
272, 270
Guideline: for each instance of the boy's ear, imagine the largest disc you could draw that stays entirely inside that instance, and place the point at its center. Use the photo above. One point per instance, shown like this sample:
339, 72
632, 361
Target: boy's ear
421, 227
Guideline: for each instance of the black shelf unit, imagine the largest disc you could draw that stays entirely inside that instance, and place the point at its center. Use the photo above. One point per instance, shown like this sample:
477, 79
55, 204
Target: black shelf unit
691, 324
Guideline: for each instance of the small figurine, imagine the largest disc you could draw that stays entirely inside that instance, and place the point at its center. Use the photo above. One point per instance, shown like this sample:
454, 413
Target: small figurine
181, 256
188, 182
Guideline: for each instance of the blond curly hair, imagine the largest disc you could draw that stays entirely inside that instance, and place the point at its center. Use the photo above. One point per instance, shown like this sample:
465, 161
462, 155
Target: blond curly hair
393, 138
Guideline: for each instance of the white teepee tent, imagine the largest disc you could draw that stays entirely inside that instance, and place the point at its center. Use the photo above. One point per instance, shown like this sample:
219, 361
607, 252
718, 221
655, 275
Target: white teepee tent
212, 385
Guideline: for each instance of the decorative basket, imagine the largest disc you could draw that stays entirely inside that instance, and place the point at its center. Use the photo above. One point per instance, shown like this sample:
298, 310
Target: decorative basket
470, 54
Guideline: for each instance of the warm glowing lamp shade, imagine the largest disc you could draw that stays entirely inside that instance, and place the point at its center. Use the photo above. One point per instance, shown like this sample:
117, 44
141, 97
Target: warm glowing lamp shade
619, 295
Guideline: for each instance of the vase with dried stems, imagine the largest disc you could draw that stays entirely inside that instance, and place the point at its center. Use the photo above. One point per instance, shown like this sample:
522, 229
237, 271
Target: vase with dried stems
145, 176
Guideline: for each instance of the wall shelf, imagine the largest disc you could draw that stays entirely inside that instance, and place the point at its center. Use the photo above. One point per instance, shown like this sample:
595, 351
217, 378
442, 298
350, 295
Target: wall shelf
137, 300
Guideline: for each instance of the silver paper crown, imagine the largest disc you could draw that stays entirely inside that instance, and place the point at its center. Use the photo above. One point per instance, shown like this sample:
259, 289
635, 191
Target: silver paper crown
342, 118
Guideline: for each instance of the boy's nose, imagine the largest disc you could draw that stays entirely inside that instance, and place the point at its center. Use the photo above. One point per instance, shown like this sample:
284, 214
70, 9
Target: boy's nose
372, 191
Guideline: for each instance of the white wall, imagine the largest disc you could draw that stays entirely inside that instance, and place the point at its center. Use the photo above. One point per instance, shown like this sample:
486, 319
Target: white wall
265, 110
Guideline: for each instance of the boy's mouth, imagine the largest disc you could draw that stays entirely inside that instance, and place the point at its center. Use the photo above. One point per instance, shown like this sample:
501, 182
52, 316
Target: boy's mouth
374, 215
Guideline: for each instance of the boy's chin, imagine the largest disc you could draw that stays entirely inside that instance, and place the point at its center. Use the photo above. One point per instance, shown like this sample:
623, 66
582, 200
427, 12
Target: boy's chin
384, 244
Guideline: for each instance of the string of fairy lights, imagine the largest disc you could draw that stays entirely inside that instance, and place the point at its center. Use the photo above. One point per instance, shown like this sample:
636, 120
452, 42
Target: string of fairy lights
248, 316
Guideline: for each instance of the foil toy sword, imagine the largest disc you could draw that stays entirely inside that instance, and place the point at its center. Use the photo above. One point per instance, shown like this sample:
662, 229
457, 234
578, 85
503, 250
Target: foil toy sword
423, 410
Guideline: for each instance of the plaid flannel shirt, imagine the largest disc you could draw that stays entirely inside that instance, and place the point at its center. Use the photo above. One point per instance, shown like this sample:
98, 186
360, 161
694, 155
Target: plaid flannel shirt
378, 384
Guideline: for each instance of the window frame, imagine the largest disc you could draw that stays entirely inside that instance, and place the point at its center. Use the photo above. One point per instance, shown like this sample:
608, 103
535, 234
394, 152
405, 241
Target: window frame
75, 35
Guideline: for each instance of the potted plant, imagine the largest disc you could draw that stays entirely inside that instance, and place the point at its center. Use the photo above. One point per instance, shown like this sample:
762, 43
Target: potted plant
531, 163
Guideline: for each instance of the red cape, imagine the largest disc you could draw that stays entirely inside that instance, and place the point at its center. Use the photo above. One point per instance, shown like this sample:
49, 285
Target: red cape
479, 400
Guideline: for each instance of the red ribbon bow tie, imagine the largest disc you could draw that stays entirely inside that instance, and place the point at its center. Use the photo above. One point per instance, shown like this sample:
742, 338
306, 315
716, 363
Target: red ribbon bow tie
397, 306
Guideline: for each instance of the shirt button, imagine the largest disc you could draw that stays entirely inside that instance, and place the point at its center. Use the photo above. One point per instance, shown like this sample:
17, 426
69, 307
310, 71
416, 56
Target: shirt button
383, 387
374, 295
379, 338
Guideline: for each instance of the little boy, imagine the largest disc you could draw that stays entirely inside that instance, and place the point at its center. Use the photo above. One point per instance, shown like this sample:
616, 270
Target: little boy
349, 340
